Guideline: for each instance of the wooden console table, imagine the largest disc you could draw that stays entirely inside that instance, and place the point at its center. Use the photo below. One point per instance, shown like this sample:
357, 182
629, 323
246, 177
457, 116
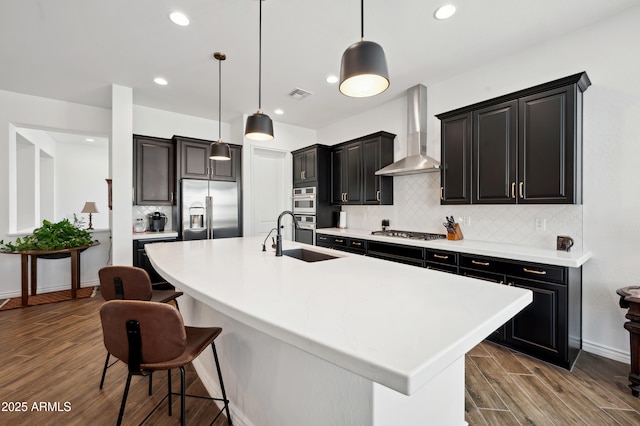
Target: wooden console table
73, 252
630, 299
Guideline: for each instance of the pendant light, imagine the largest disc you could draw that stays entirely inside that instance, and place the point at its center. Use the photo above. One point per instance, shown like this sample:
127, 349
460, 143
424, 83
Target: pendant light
259, 126
363, 71
219, 150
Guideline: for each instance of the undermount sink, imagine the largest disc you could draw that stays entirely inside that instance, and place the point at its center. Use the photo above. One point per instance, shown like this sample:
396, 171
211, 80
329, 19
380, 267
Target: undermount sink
308, 255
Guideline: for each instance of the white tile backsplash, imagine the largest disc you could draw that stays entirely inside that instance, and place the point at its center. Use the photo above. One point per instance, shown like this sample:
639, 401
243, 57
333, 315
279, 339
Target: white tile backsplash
417, 207
144, 211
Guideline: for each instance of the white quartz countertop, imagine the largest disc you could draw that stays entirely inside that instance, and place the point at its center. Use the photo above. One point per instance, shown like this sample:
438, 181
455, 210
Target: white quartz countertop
394, 324
147, 235
574, 258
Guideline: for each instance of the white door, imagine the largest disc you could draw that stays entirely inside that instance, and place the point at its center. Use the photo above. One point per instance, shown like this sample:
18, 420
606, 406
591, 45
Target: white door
270, 191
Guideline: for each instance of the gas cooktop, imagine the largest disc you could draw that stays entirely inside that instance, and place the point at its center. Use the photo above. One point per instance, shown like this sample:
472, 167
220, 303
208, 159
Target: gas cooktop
409, 234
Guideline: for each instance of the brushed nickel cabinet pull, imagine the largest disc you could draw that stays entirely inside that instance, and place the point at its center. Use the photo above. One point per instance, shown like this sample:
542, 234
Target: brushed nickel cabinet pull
442, 193
355, 243
322, 238
533, 271
513, 190
475, 262
439, 256
172, 198
521, 190
346, 197
377, 195
340, 241
501, 282
510, 284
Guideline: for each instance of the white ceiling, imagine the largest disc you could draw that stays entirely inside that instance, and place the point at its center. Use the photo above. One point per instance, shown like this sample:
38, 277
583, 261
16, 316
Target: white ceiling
74, 50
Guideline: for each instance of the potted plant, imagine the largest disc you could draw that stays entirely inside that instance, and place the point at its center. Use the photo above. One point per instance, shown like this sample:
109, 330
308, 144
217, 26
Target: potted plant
52, 236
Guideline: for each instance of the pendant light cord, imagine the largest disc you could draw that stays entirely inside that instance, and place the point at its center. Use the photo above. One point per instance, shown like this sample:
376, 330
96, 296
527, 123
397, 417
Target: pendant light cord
260, 59
361, 19
219, 100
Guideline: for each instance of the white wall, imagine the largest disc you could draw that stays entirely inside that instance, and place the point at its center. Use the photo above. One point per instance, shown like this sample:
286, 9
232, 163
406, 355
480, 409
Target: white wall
32, 111
611, 129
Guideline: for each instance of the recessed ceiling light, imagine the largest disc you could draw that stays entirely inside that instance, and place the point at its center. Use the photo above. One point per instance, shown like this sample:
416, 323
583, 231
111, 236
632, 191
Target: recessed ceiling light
161, 81
332, 79
179, 18
445, 12
278, 111
90, 140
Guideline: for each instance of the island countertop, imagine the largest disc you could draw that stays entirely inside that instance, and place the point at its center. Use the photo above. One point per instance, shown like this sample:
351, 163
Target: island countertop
394, 324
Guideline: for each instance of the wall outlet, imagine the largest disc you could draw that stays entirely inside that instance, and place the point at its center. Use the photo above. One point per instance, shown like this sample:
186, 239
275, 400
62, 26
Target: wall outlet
464, 220
540, 224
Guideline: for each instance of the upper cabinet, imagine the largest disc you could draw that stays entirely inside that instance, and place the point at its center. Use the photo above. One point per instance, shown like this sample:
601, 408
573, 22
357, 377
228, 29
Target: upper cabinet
522, 148
312, 167
354, 164
154, 171
194, 162
305, 166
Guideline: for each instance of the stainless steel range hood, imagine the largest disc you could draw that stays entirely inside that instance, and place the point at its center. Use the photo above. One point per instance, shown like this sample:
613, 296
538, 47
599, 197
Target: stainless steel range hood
416, 160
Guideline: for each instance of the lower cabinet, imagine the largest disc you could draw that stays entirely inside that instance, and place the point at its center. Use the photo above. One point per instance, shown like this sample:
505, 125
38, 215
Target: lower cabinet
141, 260
550, 328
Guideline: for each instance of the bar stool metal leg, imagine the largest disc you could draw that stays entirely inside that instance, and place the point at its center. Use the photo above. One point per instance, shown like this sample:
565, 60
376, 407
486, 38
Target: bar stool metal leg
224, 394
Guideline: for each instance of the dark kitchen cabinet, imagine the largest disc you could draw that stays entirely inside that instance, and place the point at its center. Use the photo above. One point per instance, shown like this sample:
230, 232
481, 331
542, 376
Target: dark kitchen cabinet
141, 260
410, 255
550, 327
526, 147
440, 260
495, 153
312, 168
154, 171
377, 152
346, 165
194, 162
353, 167
352, 245
305, 165
455, 173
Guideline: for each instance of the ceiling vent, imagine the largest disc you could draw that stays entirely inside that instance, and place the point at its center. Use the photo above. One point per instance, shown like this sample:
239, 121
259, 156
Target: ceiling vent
299, 94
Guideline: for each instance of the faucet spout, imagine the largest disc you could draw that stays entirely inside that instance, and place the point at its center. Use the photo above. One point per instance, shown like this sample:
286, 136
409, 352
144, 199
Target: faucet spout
278, 234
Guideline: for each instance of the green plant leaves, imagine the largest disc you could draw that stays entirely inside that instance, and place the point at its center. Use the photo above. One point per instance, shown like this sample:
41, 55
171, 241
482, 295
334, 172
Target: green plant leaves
51, 236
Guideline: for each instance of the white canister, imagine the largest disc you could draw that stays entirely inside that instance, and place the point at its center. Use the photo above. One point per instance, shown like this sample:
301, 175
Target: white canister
342, 221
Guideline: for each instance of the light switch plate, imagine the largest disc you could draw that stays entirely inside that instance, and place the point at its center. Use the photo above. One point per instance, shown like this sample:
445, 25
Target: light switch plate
540, 224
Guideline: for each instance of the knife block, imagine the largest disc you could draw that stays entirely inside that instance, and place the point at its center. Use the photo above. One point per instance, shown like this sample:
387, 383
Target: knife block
457, 235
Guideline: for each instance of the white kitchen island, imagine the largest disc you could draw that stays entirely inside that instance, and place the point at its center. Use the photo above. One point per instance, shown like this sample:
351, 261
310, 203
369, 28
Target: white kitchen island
345, 341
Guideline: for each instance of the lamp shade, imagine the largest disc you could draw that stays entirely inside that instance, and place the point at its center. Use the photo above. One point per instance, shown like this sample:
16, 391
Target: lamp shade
90, 207
219, 151
363, 71
259, 127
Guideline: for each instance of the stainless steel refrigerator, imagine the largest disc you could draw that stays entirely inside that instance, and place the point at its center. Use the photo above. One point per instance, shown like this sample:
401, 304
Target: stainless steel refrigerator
210, 209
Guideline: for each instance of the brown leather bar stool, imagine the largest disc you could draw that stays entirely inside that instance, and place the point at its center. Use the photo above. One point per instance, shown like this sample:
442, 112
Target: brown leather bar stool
630, 299
151, 336
130, 283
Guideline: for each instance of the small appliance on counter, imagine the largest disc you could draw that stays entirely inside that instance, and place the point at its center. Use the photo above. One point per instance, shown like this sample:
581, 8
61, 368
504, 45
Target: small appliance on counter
342, 220
157, 221
564, 243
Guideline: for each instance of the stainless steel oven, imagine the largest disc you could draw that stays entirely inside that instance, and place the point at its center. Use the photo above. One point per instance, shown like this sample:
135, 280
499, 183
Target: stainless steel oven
306, 231
304, 201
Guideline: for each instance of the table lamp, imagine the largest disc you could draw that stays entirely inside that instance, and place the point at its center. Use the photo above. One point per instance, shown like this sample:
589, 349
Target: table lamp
90, 207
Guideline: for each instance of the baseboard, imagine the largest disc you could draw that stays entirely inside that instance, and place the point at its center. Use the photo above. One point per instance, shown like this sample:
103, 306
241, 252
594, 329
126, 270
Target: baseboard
213, 387
605, 351
58, 287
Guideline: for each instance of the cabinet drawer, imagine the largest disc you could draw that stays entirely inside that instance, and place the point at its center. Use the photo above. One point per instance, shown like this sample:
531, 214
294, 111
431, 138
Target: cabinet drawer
482, 275
446, 257
323, 240
339, 241
452, 269
356, 244
482, 263
537, 271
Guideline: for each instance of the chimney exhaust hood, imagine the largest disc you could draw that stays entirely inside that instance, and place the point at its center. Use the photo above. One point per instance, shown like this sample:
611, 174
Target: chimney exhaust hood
416, 160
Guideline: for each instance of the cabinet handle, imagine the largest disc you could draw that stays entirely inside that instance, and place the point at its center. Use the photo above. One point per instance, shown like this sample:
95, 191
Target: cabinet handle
377, 195
171, 198
475, 262
510, 284
439, 256
513, 190
322, 238
303, 174
442, 193
521, 189
501, 282
340, 241
533, 271
346, 199
355, 243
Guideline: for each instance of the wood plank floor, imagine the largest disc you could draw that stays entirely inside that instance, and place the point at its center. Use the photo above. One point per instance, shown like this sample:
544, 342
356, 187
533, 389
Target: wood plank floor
54, 354
504, 387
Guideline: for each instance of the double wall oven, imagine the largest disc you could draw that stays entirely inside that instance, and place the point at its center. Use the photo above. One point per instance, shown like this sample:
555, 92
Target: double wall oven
305, 210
